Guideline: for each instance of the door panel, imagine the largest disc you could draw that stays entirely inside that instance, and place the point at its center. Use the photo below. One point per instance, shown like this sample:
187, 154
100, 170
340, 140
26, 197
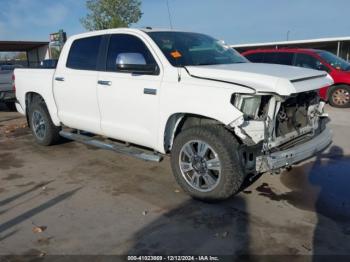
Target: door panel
75, 86
76, 99
127, 112
129, 102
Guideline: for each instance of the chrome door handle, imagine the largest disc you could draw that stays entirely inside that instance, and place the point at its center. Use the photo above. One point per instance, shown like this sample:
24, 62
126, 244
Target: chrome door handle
104, 83
150, 91
60, 79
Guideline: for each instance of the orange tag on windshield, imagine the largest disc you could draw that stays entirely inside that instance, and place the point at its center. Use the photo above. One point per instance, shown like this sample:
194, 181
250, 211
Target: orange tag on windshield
176, 54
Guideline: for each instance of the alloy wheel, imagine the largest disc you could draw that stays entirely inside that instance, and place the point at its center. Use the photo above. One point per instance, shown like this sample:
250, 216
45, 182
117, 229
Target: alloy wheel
200, 165
39, 125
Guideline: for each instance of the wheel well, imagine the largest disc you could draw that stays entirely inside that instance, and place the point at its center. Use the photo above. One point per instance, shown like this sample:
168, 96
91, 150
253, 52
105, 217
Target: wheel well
181, 121
335, 85
30, 98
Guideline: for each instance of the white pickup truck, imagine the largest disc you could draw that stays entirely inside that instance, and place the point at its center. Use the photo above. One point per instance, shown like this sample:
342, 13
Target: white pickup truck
220, 117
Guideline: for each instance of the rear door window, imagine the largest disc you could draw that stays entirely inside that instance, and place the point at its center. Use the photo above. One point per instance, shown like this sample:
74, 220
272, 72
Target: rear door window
255, 57
83, 53
284, 58
269, 58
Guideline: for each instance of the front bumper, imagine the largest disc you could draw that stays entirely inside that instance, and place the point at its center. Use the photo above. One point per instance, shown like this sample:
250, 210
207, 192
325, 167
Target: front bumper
7, 96
286, 158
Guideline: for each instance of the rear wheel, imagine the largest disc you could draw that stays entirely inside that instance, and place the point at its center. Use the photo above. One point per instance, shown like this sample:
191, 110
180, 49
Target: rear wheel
339, 96
43, 129
206, 163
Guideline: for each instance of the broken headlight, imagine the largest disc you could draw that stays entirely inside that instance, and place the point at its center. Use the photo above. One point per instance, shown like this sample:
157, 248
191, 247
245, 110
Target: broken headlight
253, 107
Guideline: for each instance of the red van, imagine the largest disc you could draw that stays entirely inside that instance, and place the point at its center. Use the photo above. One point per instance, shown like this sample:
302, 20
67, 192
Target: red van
337, 95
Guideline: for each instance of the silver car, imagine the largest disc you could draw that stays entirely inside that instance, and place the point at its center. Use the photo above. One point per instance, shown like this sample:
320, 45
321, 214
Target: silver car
7, 94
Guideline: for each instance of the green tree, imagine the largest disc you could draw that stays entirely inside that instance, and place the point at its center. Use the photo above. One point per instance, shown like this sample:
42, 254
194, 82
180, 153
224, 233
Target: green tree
21, 56
105, 14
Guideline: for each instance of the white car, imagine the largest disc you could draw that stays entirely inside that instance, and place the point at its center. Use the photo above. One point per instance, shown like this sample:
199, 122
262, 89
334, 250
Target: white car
220, 117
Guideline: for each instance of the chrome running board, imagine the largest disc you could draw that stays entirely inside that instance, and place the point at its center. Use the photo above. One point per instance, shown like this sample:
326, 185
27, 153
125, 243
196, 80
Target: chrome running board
113, 146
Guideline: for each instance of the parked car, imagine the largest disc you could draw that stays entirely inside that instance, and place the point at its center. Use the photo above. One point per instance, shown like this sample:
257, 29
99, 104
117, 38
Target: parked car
218, 116
337, 95
7, 92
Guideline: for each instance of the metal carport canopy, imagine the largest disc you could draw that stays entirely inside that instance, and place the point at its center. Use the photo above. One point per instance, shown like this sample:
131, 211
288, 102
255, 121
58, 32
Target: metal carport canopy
20, 46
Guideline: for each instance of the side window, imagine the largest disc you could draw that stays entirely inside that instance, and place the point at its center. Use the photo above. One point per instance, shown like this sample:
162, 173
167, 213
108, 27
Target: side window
307, 61
123, 43
284, 58
83, 53
270, 58
255, 57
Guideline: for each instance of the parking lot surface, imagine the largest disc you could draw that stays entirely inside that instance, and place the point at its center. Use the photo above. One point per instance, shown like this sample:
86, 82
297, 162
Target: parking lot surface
74, 199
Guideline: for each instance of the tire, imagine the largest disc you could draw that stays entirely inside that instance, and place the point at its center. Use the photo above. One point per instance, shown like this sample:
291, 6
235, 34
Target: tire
11, 106
43, 129
222, 146
339, 96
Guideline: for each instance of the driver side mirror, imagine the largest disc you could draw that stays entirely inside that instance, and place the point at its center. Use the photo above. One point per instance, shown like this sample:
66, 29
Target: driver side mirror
135, 63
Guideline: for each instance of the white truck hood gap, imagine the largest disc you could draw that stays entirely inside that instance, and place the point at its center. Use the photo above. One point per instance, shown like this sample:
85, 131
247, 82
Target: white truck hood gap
280, 79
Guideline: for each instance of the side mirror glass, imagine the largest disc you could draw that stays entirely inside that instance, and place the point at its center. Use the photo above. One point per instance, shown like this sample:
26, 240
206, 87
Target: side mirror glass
134, 63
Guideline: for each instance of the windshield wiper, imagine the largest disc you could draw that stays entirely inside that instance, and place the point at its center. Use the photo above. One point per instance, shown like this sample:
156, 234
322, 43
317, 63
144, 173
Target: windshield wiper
220, 63
204, 64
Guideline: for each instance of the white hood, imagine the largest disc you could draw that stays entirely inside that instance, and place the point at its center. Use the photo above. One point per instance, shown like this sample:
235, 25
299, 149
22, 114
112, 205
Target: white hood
280, 79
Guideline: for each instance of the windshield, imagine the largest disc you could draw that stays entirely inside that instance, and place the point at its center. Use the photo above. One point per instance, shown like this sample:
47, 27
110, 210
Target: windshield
335, 61
188, 49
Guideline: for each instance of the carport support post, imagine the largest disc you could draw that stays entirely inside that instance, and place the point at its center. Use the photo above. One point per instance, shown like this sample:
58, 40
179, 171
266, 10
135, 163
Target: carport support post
37, 58
338, 48
27, 59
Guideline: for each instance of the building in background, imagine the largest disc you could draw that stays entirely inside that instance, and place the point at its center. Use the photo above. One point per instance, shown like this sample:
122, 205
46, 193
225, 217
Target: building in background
32, 53
337, 45
35, 52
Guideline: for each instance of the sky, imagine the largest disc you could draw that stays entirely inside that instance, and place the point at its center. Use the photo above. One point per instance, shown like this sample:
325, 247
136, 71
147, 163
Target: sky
234, 21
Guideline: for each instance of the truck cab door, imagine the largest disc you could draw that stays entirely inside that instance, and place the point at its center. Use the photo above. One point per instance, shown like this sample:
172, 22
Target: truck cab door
129, 100
75, 85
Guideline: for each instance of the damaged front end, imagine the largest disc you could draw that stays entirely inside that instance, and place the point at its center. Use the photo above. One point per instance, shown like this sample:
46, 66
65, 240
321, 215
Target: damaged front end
277, 131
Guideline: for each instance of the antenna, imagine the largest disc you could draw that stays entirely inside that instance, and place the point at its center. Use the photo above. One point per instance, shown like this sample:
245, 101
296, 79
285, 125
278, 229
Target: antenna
288, 35
169, 14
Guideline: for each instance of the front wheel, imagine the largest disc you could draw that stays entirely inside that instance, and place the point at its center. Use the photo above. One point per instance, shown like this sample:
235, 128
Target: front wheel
206, 163
339, 96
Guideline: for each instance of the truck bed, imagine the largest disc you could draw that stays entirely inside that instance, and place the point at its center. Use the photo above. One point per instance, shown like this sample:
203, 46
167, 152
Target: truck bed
34, 81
